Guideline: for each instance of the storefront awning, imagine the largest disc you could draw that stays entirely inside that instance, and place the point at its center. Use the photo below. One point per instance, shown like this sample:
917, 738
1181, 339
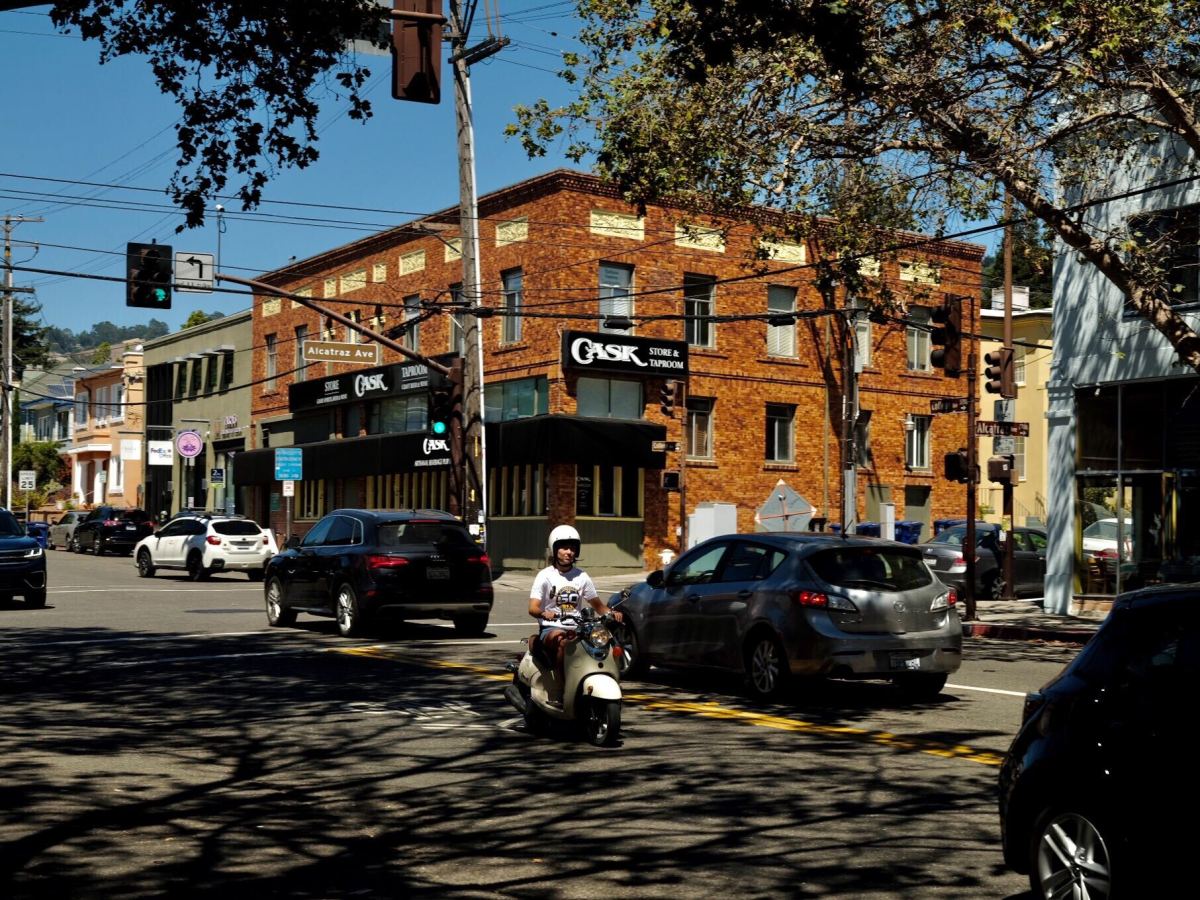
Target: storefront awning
375, 454
572, 439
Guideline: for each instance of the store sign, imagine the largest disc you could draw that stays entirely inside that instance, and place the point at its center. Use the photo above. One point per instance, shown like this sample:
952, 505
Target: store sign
352, 387
160, 453
648, 357
189, 444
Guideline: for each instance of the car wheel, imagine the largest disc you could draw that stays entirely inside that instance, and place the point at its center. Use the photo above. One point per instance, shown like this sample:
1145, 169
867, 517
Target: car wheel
1070, 855
72, 545
195, 567
255, 574
633, 664
602, 727
349, 617
98, 545
473, 625
145, 565
920, 685
35, 599
278, 615
766, 665
995, 588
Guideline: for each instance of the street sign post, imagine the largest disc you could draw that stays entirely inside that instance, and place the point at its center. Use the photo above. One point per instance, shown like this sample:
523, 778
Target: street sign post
955, 404
289, 464
341, 352
194, 272
664, 446
1001, 429
27, 480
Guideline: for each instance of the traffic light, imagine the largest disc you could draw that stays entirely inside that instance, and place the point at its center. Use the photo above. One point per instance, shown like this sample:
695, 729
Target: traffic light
669, 397
947, 336
148, 275
441, 405
417, 51
999, 373
956, 466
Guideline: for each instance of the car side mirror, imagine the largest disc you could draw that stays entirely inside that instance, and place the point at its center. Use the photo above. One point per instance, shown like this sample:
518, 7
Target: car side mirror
655, 579
292, 542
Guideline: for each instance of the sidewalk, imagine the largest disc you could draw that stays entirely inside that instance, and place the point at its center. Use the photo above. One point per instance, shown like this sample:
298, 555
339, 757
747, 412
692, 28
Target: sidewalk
1011, 620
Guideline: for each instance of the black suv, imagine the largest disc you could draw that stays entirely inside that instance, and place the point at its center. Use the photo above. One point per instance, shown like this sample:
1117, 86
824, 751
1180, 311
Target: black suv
22, 563
359, 564
1101, 781
111, 528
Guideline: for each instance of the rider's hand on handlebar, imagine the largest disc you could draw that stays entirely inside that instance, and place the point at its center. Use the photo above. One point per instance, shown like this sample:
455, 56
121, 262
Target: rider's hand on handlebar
549, 615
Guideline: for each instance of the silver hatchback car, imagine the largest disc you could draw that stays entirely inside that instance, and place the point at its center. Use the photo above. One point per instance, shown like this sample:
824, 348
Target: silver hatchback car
774, 605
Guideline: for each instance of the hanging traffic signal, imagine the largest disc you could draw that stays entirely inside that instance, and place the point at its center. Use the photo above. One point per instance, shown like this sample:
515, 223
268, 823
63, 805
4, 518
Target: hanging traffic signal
441, 405
957, 468
999, 373
670, 395
417, 50
148, 275
946, 336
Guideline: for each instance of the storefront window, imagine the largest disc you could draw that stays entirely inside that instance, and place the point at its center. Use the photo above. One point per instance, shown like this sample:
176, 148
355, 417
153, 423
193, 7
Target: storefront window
609, 398
517, 491
608, 491
518, 399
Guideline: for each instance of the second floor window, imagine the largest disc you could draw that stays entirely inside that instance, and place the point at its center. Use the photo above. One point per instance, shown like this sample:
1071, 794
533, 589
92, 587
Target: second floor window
517, 399
698, 438
616, 285
1019, 365
81, 410
916, 443
918, 339
610, 398
226, 369
272, 362
780, 423
412, 327
513, 301
1172, 239
1019, 457
781, 339
301, 365
699, 305
862, 339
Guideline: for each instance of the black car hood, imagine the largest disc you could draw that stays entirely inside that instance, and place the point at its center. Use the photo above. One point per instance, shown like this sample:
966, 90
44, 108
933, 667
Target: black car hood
24, 542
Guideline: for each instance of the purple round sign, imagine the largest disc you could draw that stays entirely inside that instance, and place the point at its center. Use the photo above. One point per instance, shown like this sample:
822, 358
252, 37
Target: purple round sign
189, 443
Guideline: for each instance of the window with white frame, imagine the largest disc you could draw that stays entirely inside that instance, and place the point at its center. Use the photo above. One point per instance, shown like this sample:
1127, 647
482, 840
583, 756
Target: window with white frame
81, 410
1019, 457
916, 442
514, 300
780, 421
862, 338
699, 305
698, 438
118, 411
918, 339
352, 336
272, 362
116, 474
301, 365
781, 339
1019, 365
616, 287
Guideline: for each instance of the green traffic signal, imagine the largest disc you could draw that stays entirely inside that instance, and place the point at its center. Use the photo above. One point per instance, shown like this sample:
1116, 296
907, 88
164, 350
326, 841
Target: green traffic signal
437, 427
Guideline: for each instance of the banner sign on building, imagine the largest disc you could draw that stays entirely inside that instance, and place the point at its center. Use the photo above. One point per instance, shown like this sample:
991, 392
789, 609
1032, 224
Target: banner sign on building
352, 387
619, 354
160, 453
131, 450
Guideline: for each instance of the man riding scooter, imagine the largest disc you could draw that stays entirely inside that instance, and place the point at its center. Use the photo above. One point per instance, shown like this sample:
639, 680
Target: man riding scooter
557, 592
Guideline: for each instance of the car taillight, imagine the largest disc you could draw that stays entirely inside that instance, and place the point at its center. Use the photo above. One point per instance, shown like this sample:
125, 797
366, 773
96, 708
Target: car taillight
214, 540
266, 540
815, 599
481, 560
951, 597
386, 562
111, 522
1105, 554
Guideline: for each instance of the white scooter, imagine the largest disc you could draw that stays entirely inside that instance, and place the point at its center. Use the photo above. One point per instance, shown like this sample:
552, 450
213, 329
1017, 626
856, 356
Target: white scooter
591, 691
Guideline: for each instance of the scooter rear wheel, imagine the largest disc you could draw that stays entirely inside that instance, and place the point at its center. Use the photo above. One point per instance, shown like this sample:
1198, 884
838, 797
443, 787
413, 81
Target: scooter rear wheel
603, 723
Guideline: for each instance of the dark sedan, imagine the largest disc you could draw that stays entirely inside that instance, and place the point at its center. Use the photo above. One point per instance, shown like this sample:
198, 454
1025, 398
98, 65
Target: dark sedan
356, 565
1101, 781
776, 605
944, 553
111, 528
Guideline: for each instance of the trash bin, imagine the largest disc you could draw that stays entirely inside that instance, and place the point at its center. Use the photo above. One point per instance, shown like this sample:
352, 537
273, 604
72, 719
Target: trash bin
40, 532
836, 528
908, 531
868, 529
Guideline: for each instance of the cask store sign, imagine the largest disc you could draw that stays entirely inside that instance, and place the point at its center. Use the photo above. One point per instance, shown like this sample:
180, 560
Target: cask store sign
615, 353
366, 384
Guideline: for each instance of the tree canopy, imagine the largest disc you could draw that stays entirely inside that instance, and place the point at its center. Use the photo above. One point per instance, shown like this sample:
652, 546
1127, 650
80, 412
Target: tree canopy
885, 115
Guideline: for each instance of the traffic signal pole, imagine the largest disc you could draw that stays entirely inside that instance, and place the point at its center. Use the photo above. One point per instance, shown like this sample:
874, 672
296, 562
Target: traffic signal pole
969, 550
1007, 489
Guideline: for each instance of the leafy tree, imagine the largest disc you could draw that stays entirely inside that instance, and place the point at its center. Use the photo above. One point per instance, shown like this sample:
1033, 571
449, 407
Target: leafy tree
29, 338
197, 317
947, 105
43, 457
1032, 264
102, 354
247, 75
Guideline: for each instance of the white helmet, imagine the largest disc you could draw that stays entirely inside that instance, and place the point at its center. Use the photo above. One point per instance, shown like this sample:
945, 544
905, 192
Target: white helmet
563, 534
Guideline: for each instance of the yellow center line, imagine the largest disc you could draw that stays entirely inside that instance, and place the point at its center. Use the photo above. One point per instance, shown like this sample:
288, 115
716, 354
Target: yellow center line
713, 710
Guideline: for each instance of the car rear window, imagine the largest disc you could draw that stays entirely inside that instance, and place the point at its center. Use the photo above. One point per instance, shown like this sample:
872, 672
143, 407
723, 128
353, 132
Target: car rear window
394, 534
236, 526
133, 515
880, 568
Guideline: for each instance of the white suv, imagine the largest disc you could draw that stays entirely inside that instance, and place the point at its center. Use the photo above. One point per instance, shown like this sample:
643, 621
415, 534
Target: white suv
205, 544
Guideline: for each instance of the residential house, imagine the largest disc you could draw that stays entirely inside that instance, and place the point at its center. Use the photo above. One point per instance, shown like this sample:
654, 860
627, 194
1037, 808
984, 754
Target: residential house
106, 444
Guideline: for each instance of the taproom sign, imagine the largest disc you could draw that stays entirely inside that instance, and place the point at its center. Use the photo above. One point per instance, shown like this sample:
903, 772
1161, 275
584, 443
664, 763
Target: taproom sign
584, 351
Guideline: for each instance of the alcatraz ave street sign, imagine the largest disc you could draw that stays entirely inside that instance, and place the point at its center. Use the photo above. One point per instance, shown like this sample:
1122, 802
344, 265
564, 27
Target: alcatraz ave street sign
1002, 429
664, 446
341, 352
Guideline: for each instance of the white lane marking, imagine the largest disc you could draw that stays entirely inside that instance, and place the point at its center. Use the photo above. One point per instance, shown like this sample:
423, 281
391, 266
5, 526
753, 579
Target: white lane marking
131, 590
983, 690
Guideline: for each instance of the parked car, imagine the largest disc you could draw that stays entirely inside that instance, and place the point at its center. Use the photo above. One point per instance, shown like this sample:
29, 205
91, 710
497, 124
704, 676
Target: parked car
111, 528
63, 530
1100, 781
357, 565
22, 563
771, 606
203, 544
1100, 539
944, 553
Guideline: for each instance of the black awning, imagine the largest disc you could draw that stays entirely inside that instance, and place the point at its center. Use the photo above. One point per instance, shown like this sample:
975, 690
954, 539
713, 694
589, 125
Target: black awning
375, 454
572, 439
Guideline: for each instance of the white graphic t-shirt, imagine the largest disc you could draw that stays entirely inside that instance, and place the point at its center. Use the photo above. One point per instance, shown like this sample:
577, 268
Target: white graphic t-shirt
565, 593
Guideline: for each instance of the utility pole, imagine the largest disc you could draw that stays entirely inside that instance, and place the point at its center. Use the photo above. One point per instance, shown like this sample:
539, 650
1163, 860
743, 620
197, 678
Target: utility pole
6, 403
850, 422
969, 551
1007, 488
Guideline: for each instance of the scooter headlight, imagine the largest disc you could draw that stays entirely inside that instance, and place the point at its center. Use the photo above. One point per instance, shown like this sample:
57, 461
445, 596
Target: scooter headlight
599, 637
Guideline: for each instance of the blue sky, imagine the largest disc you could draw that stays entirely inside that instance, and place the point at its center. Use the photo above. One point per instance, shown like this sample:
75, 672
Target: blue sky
67, 117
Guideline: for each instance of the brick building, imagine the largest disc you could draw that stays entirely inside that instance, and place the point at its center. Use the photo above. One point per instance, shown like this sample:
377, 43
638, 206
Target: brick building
568, 440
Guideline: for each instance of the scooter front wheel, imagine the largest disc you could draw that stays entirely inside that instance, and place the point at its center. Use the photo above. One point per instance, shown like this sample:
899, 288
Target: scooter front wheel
603, 723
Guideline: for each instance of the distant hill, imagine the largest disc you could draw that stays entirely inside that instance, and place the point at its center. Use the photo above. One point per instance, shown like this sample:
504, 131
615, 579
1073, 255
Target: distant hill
66, 341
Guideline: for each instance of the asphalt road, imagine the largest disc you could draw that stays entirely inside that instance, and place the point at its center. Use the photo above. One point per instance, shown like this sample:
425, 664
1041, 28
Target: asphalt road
157, 737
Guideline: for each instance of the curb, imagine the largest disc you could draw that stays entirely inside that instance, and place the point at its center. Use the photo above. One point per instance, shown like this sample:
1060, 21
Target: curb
1027, 633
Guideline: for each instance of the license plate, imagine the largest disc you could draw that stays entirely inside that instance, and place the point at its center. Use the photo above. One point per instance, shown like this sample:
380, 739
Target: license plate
904, 661
131, 528
438, 573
